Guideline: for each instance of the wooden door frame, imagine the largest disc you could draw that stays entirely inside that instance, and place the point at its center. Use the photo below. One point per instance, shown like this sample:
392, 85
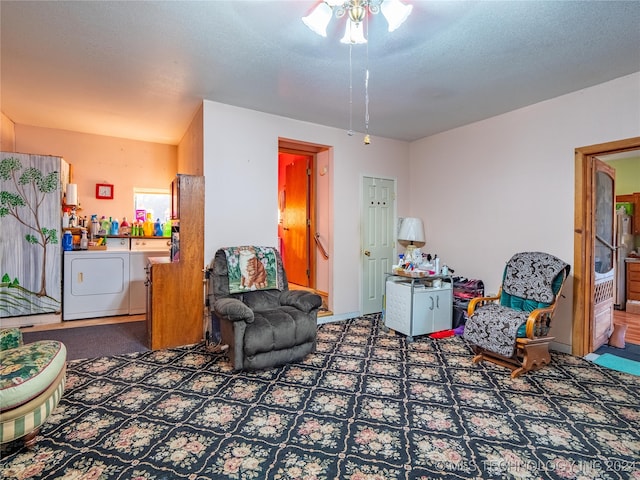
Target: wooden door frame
583, 240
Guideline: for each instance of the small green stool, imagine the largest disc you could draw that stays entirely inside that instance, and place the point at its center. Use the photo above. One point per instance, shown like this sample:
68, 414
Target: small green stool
32, 380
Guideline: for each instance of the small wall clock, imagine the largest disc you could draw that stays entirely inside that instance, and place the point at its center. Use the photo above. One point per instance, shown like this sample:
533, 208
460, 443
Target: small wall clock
104, 190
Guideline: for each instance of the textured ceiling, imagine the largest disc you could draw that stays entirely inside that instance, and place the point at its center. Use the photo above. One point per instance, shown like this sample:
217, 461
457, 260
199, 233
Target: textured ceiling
141, 69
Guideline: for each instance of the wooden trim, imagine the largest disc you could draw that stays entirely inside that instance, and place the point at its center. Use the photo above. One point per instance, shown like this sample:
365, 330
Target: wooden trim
579, 248
311, 201
607, 148
583, 239
299, 148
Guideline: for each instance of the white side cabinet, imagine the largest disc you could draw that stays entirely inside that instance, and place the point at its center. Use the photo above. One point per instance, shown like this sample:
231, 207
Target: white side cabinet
414, 307
141, 250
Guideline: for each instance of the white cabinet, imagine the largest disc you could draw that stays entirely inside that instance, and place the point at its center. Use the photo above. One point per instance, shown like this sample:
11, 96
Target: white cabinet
141, 250
137, 281
115, 244
412, 308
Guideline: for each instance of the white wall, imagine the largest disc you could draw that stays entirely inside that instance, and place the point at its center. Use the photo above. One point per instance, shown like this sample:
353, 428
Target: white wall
506, 184
241, 172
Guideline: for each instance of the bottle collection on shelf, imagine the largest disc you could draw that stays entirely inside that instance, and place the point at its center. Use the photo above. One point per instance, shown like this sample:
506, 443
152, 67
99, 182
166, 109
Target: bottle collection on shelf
111, 227
422, 262
94, 232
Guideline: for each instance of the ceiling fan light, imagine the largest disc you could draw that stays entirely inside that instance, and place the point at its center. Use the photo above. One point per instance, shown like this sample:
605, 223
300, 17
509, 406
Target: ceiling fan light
357, 13
319, 19
354, 33
395, 12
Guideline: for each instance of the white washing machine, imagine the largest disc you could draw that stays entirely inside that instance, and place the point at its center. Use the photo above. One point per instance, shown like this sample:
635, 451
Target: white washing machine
141, 250
96, 283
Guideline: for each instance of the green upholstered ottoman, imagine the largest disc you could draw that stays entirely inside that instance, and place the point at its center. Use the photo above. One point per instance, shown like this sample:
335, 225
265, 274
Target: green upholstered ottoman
32, 379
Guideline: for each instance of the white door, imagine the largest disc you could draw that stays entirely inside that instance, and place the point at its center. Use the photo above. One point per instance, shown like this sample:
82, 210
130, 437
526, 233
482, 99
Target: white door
378, 239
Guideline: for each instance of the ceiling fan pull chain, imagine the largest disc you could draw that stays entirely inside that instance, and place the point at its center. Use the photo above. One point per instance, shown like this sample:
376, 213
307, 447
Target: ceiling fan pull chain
367, 138
350, 131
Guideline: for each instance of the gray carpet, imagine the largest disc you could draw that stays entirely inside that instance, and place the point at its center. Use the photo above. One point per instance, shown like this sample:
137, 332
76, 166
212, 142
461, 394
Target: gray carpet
97, 340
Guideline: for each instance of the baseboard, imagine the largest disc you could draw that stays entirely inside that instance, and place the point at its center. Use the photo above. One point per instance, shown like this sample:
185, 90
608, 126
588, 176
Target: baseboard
560, 347
32, 320
338, 318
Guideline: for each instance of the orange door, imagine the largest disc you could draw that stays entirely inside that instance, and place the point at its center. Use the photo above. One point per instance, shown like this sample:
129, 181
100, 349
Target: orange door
296, 222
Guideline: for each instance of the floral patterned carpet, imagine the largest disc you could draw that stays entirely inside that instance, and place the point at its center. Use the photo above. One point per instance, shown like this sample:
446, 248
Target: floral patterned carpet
366, 405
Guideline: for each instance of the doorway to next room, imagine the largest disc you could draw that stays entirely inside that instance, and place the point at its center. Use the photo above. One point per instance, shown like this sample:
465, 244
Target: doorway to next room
303, 217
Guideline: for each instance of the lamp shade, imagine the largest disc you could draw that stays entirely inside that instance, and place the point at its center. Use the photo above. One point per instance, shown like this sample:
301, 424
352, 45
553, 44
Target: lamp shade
411, 232
318, 20
395, 13
354, 33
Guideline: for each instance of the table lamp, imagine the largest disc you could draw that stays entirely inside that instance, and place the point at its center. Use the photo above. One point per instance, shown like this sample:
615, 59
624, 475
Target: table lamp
411, 236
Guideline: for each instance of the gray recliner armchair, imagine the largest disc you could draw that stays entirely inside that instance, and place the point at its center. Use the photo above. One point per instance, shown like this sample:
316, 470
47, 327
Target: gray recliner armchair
263, 322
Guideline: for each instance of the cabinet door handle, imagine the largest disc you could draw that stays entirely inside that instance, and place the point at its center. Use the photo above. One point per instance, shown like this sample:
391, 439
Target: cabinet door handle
438, 302
80, 277
432, 303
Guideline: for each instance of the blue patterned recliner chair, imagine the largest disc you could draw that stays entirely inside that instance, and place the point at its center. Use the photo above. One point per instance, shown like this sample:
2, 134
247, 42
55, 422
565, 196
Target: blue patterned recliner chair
263, 323
32, 378
512, 328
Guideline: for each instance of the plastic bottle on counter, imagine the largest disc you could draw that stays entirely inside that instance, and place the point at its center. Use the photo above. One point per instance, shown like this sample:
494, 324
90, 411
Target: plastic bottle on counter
95, 226
105, 226
115, 227
147, 226
84, 241
166, 228
157, 228
125, 228
67, 241
65, 219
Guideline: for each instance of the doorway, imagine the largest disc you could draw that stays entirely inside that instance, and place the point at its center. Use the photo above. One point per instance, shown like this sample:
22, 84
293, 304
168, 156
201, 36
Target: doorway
304, 213
585, 330
296, 222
